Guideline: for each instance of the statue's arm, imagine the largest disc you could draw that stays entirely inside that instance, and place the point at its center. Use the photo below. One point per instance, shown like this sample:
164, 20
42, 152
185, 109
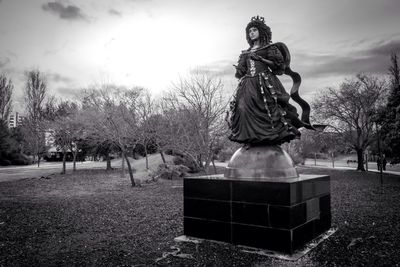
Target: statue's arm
274, 60
268, 62
241, 67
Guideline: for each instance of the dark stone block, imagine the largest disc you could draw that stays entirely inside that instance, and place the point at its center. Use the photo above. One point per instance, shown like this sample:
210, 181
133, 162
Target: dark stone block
313, 210
250, 213
322, 186
325, 205
214, 230
206, 189
279, 216
262, 237
322, 224
303, 234
305, 190
261, 192
207, 209
298, 215
287, 217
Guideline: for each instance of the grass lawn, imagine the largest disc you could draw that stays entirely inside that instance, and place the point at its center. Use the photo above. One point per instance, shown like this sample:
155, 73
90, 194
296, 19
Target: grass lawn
96, 218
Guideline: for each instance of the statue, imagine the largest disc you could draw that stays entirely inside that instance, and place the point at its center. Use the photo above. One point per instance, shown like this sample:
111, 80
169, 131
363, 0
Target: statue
260, 112
262, 201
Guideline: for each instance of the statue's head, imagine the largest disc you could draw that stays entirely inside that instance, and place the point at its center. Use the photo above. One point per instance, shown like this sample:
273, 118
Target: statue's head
264, 32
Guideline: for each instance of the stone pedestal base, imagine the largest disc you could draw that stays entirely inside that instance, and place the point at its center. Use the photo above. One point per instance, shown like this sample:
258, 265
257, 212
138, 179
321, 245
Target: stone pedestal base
275, 215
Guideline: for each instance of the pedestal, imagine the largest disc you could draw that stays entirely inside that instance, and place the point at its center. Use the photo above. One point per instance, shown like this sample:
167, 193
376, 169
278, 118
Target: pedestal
263, 205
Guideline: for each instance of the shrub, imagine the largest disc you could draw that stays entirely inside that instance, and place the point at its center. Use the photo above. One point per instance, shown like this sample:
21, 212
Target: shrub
20, 159
224, 156
188, 162
297, 159
5, 162
178, 160
170, 172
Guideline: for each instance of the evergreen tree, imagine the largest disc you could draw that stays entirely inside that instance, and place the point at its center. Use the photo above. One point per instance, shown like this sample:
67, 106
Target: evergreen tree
390, 121
4, 139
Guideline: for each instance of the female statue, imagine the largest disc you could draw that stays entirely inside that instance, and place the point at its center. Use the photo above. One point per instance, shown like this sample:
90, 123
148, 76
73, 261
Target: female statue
260, 111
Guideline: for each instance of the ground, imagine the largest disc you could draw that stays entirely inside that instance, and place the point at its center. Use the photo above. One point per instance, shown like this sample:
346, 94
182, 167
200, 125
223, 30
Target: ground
97, 218
11, 173
342, 163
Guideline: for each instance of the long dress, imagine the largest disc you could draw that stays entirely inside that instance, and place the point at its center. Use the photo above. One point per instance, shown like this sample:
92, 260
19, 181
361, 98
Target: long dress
260, 111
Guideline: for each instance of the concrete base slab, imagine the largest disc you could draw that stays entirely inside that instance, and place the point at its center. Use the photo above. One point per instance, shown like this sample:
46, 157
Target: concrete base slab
185, 238
268, 253
296, 254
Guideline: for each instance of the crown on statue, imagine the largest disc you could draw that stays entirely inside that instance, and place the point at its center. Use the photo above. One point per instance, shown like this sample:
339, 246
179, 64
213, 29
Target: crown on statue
258, 19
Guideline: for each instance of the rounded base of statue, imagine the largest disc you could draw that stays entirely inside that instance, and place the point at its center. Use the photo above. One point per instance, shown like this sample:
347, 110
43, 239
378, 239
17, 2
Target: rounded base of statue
261, 162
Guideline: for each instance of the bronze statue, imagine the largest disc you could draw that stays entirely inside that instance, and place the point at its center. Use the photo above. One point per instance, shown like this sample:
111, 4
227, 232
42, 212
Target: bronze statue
261, 112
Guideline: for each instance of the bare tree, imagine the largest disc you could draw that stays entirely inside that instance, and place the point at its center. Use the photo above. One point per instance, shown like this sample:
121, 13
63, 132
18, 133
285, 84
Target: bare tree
112, 113
146, 122
351, 111
194, 110
6, 89
67, 130
35, 93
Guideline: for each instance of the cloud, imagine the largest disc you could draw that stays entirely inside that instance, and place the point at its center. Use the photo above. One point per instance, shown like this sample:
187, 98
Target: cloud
113, 12
4, 61
71, 93
385, 48
56, 49
69, 12
218, 68
63, 87
373, 59
58, 78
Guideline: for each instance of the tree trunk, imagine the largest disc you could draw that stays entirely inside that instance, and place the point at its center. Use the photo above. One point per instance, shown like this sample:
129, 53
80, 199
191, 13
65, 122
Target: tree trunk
360, 160
122, 166
200, 161
129, 169
64, 163
74, 161
209, 158
37, 153
333, 160
147, 159
109, 168
162, 157
215, 168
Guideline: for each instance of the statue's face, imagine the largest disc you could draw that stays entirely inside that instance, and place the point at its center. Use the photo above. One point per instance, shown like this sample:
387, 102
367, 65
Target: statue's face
253, 33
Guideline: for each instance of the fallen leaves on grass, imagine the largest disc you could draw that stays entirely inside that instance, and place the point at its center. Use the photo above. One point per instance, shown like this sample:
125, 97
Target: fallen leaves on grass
354, 241
96, 218
175, 253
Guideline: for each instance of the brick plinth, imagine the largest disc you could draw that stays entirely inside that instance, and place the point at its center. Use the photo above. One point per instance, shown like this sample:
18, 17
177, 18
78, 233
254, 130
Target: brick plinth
275, 215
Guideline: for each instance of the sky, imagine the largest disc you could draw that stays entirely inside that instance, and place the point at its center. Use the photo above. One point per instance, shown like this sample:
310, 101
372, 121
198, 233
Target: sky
152, 43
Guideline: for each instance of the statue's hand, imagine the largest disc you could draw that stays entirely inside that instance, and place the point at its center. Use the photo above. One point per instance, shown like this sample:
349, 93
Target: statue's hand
254, 56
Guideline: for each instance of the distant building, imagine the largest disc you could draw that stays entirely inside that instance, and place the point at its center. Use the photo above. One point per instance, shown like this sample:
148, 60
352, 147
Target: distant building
15, 120
11, 121
49, 138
